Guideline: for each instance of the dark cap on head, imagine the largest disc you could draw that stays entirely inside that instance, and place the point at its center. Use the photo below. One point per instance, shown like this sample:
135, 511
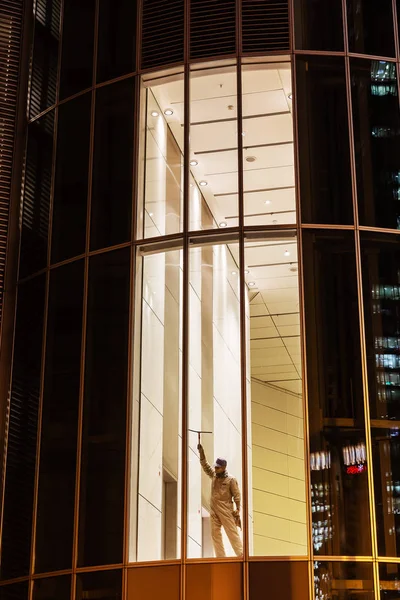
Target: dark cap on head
220, 462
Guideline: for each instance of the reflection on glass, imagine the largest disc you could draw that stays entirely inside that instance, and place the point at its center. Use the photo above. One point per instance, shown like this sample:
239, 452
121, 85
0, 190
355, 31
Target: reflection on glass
146, 582
381, 288
376, 118
324, 169
318, 25
284, 579
213, 148
59, 432
214, 581
155, 516
106, 585
161, 155
102, 485
343, 581
36, 200
339, 472
389, 581
214, 401
370, 27
268, 158
16, 591
277, 503
52, 588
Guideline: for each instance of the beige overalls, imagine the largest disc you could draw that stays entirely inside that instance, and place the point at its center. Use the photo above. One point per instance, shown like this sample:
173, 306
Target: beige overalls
223, 489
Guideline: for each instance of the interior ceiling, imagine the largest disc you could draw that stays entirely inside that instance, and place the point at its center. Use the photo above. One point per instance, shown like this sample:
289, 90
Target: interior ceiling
269, 194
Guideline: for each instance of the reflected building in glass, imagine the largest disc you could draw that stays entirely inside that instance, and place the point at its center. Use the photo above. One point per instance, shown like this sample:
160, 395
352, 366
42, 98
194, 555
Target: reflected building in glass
200, 300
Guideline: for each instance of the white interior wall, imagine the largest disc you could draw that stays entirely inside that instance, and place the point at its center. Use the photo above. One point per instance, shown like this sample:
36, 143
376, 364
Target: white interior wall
279, 501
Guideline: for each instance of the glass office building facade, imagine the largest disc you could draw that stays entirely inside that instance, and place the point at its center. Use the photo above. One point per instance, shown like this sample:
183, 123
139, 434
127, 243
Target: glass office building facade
208, 242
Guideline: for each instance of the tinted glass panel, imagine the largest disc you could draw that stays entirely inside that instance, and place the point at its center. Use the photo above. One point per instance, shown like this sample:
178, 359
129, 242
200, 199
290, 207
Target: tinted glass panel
318, 25
376, 118
325, 180
147, 583
53, 588
77, 46
112, 167
339, 472
214, 581
106, 585
36, 202
117, 39
70, 193
17, 591
22, 429
103, 439
286, 580
370, 27
55, 517
45, 55
343, 581
381, 287
389, 581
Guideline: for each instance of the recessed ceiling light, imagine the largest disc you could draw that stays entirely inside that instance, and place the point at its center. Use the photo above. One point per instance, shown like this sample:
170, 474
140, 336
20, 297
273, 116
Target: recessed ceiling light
154, 113
293, 269
223, 224
230, 107
234, 273
193, 163
290, 96
251, 159
287, 253
150, 214
191, 185
251, 284
274, 221
168, 112
203, 183
268, 202
246, 271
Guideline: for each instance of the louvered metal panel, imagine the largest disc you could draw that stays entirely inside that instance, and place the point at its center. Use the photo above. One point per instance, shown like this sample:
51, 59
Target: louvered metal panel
265, 25
162, 32
45, 56
212, 28
11, 14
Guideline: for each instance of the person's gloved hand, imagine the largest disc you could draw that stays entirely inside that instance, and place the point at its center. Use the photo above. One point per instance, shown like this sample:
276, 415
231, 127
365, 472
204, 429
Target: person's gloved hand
201, 451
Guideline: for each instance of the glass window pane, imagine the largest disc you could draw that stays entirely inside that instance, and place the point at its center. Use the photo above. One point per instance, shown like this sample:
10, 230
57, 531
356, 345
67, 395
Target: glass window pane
45, 56
214, 401
214, 581
339, 470
376, 118
343, 581
71, 179
268, 156
116, 39
77, 47
147, 582
389, 581
106, 585
276, 469
22, 430
318, 25
161, 155
36, 200
381, 288
370, 27
213, 157
111, 207
157, 407
16, 591
56, 500
53, 588
101, 509
325, 177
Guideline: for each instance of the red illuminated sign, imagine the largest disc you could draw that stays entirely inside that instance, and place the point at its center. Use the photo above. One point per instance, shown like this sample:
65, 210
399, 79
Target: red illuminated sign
356, 469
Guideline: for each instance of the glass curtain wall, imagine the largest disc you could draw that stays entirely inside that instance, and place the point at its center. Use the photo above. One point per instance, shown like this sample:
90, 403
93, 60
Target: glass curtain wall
242, 327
